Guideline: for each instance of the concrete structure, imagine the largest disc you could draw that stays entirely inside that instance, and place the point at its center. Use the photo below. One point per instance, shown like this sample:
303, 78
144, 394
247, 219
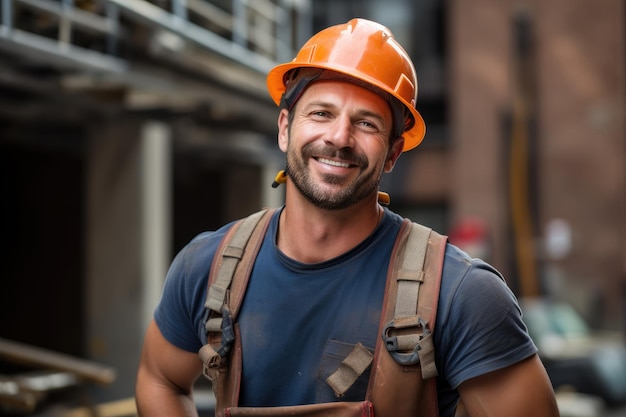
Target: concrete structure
126, 128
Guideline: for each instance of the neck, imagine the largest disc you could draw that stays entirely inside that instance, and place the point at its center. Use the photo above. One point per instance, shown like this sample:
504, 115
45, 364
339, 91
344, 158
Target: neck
310, 234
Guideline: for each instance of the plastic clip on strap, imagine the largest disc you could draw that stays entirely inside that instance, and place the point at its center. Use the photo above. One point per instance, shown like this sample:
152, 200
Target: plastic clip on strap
228, 332
405, 349
213, 358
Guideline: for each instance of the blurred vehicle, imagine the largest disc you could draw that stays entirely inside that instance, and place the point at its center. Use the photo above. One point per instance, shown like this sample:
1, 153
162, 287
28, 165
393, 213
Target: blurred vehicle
576, 357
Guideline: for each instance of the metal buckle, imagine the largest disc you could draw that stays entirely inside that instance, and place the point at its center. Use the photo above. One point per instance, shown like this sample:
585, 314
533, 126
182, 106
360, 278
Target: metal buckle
391, 342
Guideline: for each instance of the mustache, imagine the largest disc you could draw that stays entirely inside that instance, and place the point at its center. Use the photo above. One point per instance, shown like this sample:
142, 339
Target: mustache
344, 154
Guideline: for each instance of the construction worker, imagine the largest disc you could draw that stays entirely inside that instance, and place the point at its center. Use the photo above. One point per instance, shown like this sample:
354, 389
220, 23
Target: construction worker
347, 112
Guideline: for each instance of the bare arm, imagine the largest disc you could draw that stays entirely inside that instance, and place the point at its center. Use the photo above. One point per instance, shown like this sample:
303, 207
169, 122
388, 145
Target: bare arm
521, 390
165, 378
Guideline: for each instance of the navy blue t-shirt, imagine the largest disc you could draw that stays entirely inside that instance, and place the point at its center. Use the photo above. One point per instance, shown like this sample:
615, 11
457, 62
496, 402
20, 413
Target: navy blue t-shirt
299, 321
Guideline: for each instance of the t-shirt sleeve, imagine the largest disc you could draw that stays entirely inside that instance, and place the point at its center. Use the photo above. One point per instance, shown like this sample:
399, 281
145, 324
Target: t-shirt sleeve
180, 312
482, 328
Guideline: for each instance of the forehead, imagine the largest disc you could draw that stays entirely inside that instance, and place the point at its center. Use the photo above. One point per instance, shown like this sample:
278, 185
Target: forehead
344, 94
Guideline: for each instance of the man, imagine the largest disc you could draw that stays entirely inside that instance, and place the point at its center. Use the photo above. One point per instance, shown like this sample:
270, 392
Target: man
347, 113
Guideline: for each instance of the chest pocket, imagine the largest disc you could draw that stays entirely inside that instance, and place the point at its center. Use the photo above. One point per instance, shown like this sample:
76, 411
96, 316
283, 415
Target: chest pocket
333, 357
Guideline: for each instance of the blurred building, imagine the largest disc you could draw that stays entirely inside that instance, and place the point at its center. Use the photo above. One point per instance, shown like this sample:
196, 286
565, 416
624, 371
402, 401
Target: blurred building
126, 127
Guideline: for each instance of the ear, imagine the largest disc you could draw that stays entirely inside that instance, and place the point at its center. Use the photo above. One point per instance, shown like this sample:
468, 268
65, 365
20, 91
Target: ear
283, 130
394, 153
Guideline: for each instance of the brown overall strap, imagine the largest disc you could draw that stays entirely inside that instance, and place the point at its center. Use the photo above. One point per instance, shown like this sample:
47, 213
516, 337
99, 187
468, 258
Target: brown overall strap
398, 399
411, 311
406, 347
228, 279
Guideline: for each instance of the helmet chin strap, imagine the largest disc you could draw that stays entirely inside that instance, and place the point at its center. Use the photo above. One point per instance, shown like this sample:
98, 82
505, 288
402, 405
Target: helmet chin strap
281, 178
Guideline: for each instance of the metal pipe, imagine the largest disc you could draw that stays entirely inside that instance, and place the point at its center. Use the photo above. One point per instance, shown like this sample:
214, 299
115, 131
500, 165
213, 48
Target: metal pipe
7, 13
113, 22
240, 24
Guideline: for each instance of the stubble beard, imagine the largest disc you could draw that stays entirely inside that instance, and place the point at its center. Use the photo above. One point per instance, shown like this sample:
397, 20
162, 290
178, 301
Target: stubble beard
322, 197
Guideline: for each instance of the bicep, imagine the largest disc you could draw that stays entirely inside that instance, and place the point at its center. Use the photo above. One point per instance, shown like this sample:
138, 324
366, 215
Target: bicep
520, 390
165, 372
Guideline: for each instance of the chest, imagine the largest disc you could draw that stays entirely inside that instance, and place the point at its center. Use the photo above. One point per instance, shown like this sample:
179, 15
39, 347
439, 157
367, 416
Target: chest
340, 301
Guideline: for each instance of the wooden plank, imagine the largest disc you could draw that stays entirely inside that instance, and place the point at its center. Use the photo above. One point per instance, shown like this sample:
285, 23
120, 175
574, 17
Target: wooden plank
120, 408
29, 355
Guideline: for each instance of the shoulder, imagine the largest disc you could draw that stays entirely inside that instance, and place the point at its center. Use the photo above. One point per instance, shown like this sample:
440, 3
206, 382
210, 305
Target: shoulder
180, 311
197, 255
470, 283
479, 325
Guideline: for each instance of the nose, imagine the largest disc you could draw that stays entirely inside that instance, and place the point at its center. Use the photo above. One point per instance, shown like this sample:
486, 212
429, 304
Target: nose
341, 132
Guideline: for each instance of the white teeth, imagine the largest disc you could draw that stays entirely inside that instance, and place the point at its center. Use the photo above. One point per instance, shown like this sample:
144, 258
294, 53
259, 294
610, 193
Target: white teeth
334, 163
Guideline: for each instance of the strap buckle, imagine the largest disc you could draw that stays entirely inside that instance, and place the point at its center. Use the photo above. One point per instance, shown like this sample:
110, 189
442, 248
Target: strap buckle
228, 332
405, 348
213, 357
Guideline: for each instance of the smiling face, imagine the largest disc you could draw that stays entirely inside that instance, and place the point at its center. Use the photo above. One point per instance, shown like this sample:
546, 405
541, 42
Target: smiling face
337, 143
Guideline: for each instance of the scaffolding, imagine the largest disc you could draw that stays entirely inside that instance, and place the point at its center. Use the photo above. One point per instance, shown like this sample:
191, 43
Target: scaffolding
96, 34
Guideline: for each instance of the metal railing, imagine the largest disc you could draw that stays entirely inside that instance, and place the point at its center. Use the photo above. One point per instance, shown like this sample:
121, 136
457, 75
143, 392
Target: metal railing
90, 33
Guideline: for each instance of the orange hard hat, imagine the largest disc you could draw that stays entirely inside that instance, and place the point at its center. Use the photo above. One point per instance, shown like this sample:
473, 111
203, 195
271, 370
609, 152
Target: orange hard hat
365, 51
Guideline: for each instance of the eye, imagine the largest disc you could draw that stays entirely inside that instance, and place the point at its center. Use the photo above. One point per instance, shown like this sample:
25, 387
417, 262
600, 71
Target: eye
368, 125
319, 114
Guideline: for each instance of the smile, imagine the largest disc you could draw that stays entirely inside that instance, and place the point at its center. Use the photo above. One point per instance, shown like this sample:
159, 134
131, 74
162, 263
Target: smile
334, 163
